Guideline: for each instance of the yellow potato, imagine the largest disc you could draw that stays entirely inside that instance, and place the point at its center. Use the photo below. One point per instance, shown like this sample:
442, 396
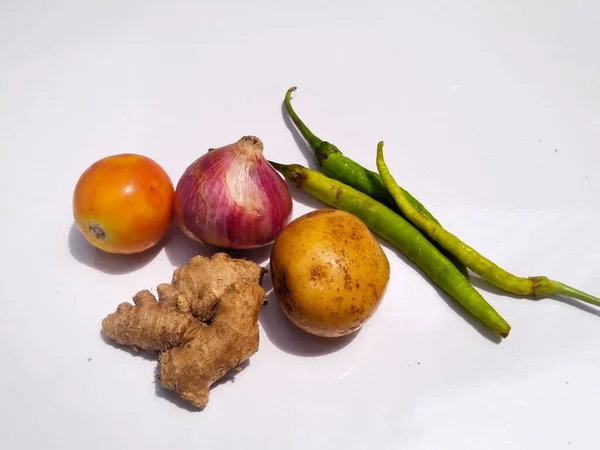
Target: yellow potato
329, 272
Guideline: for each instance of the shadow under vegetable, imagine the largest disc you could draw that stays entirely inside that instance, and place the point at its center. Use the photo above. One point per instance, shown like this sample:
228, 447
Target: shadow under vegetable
309, 156
114, 264
452, 304
180, 249
485, 286
177, 400
298, 195
167, 394
286, 336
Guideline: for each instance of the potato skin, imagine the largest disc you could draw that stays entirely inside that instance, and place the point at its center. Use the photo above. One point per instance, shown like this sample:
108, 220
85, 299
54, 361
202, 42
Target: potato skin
329, 272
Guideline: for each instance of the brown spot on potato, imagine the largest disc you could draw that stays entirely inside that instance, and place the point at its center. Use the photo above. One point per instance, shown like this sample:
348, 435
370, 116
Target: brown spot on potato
339, 301
357, 310
356, 233
318, 272
347, 279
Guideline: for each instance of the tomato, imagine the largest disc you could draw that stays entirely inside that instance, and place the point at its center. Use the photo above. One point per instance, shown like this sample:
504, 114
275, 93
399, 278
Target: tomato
124, 203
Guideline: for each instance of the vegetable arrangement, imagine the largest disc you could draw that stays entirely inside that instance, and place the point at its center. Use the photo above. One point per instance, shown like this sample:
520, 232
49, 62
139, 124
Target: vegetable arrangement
401, 234
344, 171
328, 270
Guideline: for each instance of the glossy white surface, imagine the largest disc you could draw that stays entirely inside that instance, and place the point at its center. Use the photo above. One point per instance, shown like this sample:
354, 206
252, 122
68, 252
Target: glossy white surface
490, 114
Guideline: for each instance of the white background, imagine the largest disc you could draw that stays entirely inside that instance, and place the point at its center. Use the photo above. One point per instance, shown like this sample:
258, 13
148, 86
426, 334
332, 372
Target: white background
490, 112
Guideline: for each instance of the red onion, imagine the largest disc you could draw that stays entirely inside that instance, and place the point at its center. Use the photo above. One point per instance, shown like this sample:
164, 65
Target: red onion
231, 197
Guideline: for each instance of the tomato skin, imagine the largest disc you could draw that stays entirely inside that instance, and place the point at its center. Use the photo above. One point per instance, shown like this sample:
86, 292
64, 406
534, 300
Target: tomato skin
124, 203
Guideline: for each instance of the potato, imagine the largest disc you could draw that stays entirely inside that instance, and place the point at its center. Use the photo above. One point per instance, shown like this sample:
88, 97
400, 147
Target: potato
329, 272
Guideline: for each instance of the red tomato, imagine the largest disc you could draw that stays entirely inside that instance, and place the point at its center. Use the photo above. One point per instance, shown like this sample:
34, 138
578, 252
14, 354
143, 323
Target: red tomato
124, 203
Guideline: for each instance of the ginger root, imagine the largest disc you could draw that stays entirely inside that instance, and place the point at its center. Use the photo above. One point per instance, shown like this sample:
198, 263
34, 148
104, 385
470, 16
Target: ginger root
204, 324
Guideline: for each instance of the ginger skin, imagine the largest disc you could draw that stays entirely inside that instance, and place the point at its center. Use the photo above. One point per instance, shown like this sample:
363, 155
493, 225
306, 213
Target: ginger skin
204, 324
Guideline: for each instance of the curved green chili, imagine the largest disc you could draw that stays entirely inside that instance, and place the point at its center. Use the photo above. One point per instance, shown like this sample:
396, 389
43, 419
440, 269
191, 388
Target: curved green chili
401, 234
533, 286
335, 164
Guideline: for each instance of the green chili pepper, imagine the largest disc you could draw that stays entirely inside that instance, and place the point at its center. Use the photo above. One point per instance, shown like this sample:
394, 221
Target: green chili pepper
401, 234
538, 286
335, 164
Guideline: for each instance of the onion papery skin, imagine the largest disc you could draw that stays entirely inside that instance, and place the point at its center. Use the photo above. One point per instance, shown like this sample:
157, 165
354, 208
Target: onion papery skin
231, 197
